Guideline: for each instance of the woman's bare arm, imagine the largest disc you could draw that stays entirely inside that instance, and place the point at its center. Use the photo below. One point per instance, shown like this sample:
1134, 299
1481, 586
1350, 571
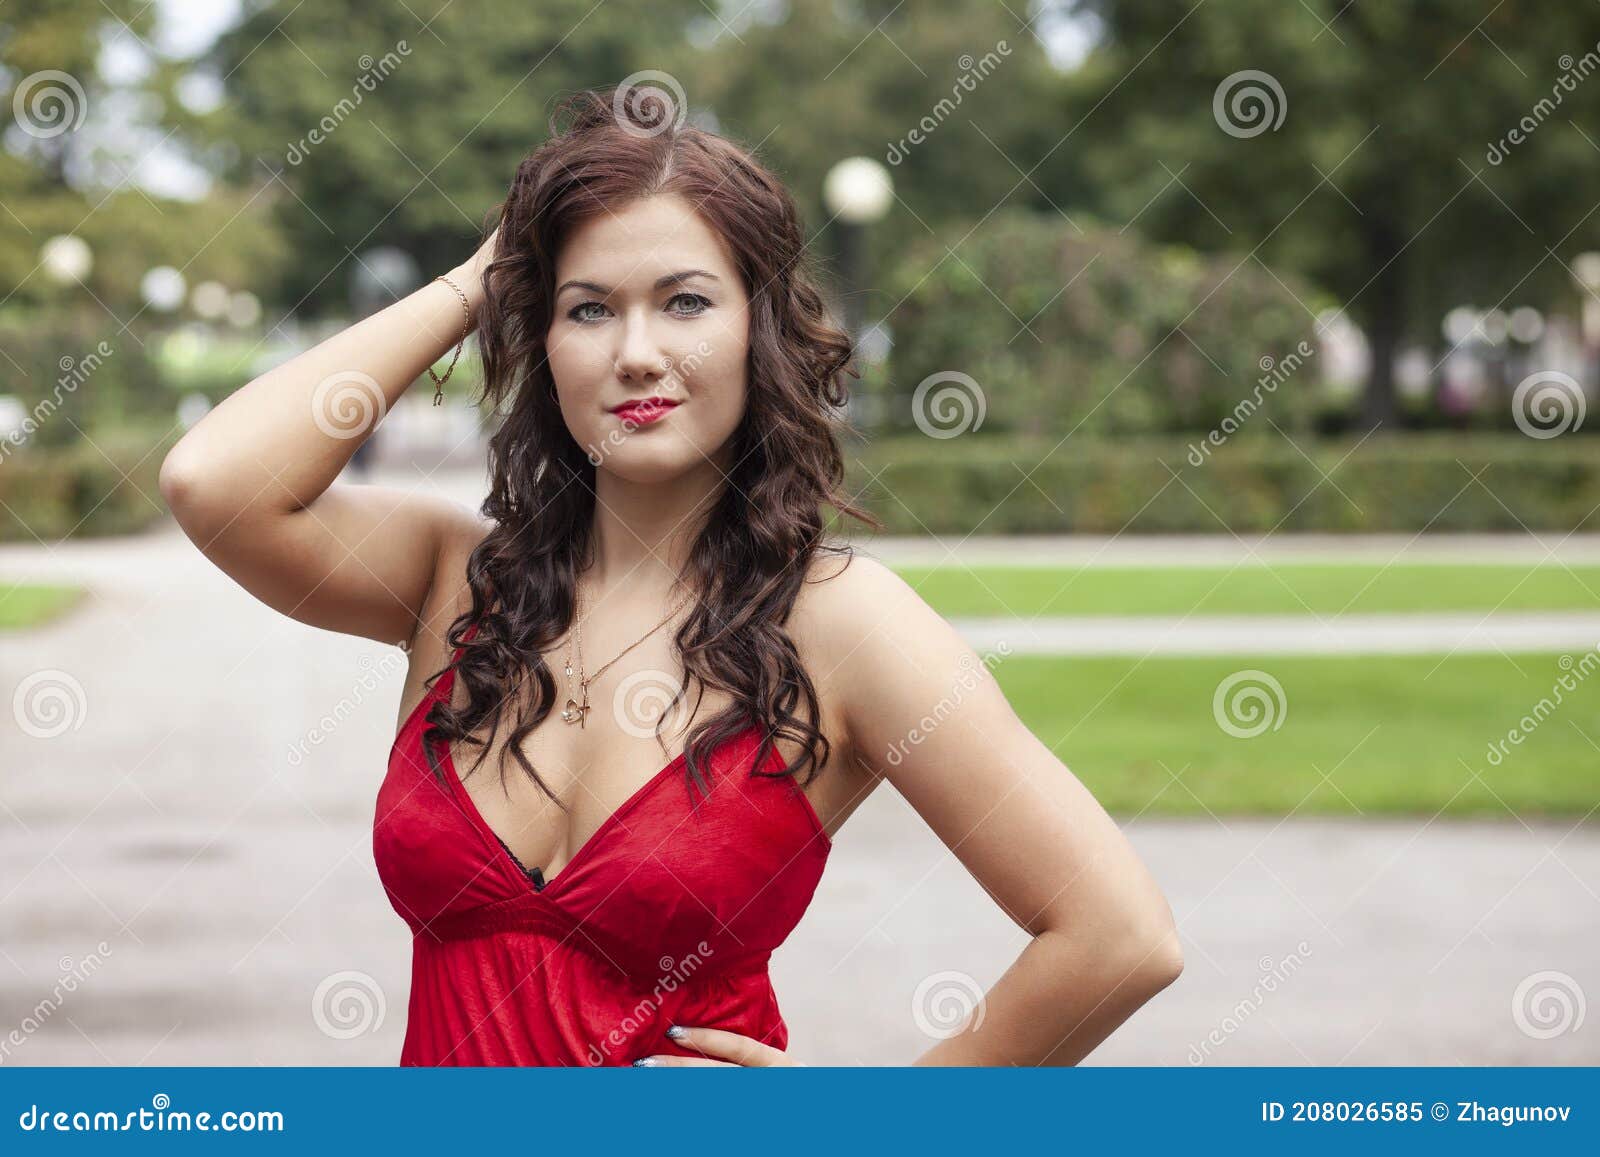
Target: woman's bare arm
1104, 941
252, 483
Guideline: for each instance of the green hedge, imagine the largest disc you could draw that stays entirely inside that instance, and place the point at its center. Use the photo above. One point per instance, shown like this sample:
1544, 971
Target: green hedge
72, 371
81, 490
1443, 482
1091, 330
1435, 481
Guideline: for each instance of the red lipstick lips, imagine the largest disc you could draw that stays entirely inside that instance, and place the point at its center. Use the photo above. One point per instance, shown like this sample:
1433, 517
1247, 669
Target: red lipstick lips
645, 410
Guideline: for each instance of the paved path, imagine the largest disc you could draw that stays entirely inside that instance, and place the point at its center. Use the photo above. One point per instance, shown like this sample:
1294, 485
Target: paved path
1225, 549
229, 879
1363, 634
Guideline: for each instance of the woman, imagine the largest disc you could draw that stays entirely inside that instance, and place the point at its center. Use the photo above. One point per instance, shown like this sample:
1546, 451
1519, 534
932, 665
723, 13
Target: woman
648, 575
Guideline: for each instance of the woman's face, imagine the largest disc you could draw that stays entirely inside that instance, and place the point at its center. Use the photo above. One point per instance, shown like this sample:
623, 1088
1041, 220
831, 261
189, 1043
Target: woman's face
649, 305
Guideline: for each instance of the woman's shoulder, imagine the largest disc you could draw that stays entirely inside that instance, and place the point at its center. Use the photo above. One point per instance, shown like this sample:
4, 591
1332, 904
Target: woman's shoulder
851, 586
876, 652
850, 602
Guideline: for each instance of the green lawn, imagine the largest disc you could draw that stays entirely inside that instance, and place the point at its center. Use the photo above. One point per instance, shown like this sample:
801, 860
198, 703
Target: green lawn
1252, 589
30, 606
1394, 735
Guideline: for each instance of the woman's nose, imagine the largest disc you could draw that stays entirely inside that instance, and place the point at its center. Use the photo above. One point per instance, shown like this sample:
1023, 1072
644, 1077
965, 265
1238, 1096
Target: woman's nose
639, 355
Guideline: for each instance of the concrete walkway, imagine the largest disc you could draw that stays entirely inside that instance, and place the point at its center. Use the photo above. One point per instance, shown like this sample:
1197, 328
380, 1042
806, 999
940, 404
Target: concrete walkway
1225, 550
1363, 634
231, 881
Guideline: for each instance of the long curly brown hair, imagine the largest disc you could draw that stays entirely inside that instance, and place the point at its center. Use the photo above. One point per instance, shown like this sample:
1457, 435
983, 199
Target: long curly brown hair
755, 548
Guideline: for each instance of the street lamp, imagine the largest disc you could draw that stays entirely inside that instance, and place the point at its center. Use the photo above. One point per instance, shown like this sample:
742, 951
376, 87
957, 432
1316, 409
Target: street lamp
163, 288
244, 309
1527, 324
858, 192
66, 258
1460, 324
210, 300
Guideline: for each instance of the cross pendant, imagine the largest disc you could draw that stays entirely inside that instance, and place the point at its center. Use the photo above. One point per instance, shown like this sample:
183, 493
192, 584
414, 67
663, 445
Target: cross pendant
574, 712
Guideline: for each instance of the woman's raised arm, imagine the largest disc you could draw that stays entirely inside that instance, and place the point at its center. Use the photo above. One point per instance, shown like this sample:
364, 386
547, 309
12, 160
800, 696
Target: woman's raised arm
252, 483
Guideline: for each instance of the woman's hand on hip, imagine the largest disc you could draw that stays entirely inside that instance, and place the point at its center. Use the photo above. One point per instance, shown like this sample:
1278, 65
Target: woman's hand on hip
717, 1047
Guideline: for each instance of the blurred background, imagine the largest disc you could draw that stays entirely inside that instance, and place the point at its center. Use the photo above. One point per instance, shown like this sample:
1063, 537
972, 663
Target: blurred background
1226, 371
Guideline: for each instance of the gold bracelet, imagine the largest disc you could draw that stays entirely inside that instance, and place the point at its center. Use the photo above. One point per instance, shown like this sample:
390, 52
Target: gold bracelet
466, 326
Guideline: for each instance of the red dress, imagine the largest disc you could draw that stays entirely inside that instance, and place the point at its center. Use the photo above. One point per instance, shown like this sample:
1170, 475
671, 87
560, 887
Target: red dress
667, 915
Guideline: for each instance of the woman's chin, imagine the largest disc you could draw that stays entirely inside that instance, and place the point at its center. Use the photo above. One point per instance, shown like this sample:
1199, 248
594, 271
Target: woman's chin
645, 463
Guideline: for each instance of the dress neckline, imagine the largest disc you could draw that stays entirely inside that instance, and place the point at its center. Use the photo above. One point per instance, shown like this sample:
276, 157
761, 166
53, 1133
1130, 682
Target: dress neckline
551, 884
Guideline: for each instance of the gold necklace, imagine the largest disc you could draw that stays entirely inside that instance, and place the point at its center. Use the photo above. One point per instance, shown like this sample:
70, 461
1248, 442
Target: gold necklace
574, 712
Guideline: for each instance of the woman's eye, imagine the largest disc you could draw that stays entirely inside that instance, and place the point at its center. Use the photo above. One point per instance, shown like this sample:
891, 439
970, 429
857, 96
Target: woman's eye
699, 304
576, 312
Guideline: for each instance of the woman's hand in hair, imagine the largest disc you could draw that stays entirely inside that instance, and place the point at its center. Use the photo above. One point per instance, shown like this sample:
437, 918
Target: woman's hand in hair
469, 274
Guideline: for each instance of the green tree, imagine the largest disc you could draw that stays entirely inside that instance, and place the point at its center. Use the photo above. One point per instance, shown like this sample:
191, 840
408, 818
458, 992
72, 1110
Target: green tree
1047, 329
1363, 145
364, 124
62, 173
951, 96
48, 55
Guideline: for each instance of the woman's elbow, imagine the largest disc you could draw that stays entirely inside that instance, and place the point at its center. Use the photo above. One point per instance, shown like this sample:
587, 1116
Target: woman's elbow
1163, 957
200, 499
1149, 955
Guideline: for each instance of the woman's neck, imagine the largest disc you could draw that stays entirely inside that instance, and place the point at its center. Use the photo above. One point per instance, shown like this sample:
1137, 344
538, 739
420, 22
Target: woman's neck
644, 532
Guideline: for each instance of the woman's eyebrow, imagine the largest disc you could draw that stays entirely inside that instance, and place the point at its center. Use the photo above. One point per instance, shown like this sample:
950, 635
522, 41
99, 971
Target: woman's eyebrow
661, 282
686, 275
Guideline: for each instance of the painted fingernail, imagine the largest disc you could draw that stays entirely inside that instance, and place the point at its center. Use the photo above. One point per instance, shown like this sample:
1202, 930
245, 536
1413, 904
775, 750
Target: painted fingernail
644, 1062
676, 1032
